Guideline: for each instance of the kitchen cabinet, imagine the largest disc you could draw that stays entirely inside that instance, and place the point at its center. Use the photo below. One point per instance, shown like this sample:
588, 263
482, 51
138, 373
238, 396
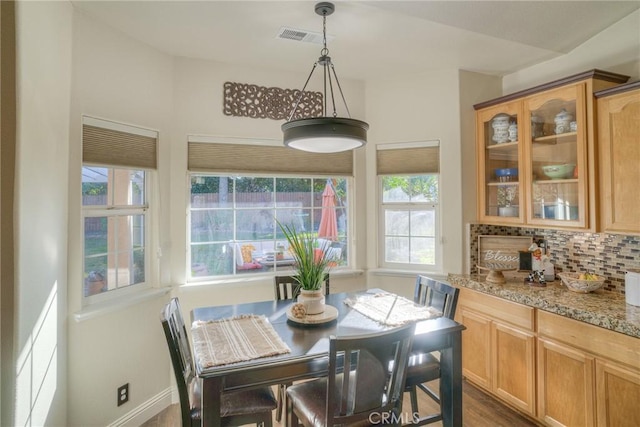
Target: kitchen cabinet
536, 154
617, 394
565, 385
619, 154
586, 375
500, 195
498, 348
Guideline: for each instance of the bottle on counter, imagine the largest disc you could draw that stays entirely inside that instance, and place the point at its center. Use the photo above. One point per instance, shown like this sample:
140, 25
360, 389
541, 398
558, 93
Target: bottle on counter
549, 271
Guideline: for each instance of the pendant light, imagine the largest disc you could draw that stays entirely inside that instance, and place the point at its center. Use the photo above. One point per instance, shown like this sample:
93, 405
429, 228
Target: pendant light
324, 134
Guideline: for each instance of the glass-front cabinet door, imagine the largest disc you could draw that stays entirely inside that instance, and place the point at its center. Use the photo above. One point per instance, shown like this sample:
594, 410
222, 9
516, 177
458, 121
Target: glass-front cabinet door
499, 132
555, 153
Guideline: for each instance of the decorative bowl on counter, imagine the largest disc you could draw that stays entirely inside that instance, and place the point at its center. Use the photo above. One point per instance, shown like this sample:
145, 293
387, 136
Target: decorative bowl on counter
573, 282
559, 171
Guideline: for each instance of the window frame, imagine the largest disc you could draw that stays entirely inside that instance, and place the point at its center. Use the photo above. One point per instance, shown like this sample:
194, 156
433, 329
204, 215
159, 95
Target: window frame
114, 211
190, 279
383, 207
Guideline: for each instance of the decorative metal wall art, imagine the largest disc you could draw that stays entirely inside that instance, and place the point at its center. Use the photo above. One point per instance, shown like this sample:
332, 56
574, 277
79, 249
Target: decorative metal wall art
260, 102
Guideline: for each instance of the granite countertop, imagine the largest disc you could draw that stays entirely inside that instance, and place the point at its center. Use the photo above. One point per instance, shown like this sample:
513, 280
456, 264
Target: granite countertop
601, 308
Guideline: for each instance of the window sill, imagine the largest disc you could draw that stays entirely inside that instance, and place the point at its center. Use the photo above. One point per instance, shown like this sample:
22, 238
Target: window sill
341, 273
408, 273
99, 309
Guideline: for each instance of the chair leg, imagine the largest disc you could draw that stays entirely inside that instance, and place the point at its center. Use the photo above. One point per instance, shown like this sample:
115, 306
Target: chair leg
281, 409
414, 400
280, 401
291, 418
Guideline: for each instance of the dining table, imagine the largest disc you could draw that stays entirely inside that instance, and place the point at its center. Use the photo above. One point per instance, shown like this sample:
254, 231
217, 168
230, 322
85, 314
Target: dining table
309, 349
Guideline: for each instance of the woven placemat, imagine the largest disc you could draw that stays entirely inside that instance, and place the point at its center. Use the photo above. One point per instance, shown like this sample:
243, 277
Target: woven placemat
390, 309
235, 339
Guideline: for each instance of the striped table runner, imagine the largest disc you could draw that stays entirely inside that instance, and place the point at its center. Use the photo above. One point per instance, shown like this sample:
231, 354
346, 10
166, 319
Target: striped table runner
235, 339
391, 309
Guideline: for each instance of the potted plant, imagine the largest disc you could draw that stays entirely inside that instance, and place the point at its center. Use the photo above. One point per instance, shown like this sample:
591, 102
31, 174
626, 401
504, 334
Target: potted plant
312, 263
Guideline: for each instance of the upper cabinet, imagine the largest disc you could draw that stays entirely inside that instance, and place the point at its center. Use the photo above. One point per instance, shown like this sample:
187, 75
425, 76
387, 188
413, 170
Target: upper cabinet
536, 154
500, 162
619, 153
555, 146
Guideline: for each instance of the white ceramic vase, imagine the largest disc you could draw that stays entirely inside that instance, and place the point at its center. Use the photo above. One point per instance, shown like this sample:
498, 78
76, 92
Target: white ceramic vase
313, 301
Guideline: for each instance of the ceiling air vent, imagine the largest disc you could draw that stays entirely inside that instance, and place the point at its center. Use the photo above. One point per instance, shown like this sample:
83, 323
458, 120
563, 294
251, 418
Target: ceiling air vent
289, 33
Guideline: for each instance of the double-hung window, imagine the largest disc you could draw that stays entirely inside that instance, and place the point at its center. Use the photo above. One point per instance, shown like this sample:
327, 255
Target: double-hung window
117, 162
239, 193
409, 226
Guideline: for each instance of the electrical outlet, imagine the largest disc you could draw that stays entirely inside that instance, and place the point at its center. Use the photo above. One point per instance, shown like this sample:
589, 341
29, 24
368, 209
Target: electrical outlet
123, 394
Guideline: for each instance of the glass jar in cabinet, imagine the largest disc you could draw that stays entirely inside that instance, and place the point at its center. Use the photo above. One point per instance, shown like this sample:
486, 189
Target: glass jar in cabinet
556, 156
499, 135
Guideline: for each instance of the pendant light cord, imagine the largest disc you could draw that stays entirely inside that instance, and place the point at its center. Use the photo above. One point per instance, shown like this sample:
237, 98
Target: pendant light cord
328, 68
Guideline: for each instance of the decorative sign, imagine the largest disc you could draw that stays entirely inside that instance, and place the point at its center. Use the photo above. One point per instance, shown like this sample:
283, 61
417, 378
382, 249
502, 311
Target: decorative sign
502, 250
260, 102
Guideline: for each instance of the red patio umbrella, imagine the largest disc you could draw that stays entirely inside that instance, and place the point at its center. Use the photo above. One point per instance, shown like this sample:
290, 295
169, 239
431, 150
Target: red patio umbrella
328, 228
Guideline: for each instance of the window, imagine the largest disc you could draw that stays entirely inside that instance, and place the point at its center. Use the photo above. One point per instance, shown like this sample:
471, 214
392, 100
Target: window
410, 220
409, 206
118, 160
114, 205
232, 221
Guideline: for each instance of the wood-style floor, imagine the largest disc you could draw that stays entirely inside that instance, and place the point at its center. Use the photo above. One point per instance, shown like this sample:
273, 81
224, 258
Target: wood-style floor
480, 410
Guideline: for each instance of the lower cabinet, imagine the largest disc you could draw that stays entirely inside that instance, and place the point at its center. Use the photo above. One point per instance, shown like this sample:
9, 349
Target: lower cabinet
498, 348
514, 366
565, 385
560, 371
587, 375
476, 347
617, 394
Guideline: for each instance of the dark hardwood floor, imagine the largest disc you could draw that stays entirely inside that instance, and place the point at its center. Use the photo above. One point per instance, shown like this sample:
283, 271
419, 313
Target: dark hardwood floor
480, 410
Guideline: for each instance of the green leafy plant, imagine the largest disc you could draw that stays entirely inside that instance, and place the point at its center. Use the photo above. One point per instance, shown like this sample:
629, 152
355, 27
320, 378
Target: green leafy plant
312, 262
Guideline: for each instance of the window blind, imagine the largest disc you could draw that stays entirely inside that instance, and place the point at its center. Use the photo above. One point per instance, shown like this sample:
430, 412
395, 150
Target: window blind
408, 160
243, 158
113, 144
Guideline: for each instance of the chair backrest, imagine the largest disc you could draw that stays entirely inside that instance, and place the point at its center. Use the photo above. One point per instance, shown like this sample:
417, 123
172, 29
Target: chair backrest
287, 287
181, 359
368, 388
432, 293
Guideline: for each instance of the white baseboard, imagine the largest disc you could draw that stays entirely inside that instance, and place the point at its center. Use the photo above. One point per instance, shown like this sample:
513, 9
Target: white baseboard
147, 410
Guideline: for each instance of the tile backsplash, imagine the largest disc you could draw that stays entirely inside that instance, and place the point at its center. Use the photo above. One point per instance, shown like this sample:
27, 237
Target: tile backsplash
608, 255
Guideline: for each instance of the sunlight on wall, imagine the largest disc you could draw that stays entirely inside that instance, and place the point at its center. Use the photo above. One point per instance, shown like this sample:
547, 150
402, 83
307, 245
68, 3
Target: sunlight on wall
36, 367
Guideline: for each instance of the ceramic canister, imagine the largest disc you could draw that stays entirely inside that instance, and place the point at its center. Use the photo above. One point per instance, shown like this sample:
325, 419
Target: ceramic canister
513, 132
500, 125
562, 121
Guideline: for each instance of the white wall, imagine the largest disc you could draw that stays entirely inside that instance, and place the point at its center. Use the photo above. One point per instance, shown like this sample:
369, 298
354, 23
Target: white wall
43, 39
616, 49
474, 88
417, 108
198, 102
118, 79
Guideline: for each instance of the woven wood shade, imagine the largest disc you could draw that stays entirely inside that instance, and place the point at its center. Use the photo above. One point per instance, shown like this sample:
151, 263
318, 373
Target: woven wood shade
241, 158
408, 161
117, 148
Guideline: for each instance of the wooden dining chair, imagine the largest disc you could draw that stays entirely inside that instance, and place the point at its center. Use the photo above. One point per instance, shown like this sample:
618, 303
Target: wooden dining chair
362, 392
236, 408
287, 287
425, 367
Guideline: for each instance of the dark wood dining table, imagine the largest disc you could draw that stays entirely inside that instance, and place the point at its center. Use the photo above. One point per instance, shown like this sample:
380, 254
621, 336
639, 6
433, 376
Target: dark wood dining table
309, 346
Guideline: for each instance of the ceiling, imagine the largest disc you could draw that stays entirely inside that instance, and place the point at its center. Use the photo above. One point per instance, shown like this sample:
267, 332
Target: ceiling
368, 38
